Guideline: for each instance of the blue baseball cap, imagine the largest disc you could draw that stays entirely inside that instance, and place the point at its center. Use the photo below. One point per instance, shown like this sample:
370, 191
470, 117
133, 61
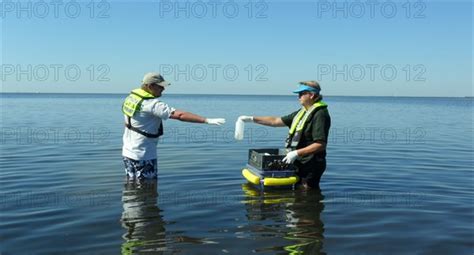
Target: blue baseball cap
303, 87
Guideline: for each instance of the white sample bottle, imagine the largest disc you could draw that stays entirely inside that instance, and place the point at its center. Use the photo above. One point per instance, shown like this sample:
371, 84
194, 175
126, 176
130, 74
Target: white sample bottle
239, 130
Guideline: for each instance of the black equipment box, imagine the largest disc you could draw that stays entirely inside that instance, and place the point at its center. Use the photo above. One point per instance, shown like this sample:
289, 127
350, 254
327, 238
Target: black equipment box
269, 160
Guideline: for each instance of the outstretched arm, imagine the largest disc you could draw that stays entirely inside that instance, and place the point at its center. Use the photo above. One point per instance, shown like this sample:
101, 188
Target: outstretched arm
269, 121
264, 120
194, 118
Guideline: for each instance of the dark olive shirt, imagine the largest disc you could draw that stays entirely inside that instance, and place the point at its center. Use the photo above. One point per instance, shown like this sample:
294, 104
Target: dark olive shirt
315, 130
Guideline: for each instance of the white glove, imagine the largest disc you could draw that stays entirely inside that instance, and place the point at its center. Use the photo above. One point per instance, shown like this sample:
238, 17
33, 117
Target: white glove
246, 118
218, 121
290, 157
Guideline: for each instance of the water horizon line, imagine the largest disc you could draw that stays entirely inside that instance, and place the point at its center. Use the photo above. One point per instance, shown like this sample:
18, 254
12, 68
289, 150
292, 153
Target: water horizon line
216, 94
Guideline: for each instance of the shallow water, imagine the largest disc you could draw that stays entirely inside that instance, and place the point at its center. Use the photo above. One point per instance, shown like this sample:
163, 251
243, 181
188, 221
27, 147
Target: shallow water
399, 180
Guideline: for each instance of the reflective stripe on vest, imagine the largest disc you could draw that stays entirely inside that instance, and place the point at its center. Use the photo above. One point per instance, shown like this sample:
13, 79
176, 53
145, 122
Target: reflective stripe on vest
299, 122
132, 105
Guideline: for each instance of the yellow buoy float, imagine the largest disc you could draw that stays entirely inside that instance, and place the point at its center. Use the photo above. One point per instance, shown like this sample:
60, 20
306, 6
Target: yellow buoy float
266, 168
269, 181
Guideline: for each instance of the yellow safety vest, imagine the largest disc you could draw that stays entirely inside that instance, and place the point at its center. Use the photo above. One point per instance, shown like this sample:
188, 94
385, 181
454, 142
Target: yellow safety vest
134, 101
299, 122
132, 105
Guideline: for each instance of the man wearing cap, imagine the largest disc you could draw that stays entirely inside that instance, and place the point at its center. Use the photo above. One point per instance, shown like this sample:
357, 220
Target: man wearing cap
143, 114
308, 134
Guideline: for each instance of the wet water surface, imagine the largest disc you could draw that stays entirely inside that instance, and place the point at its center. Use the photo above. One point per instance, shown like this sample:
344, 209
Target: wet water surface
399, 180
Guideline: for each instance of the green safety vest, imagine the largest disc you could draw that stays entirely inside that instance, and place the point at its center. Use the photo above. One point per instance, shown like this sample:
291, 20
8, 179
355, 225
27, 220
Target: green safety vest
299, 122
132, 105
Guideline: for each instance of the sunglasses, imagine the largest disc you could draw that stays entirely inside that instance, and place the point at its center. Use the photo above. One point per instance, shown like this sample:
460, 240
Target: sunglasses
302, 93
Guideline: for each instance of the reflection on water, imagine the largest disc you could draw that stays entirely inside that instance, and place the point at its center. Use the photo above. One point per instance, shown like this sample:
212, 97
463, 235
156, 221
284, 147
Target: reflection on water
144, 224
145, 231
279, 221
296, 215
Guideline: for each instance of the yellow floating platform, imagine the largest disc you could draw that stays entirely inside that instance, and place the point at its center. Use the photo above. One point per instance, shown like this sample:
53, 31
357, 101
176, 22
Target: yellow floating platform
269, 181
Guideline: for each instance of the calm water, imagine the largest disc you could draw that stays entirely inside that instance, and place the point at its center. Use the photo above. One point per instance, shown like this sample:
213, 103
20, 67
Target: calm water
399, 180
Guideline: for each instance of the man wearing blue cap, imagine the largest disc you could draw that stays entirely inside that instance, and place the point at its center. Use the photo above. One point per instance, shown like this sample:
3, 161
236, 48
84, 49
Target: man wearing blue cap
308, 134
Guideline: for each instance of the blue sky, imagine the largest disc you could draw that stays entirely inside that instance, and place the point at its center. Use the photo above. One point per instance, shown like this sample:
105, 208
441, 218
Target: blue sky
364, 48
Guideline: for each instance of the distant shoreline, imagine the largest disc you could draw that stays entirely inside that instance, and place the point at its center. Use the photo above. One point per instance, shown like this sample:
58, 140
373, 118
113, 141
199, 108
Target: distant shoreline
185, 94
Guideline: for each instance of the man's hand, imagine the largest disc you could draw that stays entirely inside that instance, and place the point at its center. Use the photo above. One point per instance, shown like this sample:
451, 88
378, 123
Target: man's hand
246, 118
290, 157
217, 121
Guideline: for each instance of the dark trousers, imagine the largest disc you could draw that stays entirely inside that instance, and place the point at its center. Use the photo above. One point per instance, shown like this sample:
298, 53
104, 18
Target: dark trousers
311, 172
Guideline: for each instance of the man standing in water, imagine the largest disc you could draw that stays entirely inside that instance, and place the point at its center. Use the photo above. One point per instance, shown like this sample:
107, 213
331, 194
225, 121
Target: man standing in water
308, 134
144, 114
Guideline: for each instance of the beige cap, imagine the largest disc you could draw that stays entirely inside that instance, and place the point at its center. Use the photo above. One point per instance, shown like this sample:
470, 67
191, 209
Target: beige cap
155, 78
